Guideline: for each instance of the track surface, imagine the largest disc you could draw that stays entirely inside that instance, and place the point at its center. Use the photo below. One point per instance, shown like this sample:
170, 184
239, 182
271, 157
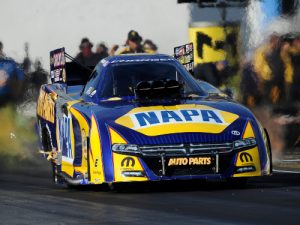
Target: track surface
28, 196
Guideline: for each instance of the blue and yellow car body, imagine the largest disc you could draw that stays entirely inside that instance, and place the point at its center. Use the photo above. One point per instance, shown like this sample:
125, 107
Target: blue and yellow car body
95, 141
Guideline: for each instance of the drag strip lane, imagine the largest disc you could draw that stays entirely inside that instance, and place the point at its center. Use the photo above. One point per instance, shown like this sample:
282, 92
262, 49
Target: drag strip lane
30, 198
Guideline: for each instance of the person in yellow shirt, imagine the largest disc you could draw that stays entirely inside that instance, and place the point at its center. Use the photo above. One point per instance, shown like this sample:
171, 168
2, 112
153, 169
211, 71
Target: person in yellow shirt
272, 64
295, 79
133, 44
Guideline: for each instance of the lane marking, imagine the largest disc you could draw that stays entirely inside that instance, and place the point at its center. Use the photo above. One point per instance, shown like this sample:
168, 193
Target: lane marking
287, 171
290, 160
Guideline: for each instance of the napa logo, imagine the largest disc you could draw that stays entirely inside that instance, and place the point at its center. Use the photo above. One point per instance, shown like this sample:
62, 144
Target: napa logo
153, 118
159, 120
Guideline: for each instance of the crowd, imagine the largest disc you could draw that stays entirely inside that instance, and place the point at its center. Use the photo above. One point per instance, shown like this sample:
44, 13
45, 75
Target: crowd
134, 44
272, 75
28, 76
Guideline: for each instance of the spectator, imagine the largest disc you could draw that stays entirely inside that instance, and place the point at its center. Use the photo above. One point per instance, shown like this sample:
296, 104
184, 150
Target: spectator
276, 85
285, 53
1, 50
26, 61
133, 44
39, 76
113, 50
270, 69
295, 58
249, 85
101, 51
149, 46
87, 57
11, 80
261, 66
214, 73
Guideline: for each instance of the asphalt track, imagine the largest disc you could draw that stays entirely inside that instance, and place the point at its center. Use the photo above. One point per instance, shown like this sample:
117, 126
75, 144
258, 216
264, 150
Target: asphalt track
28, 196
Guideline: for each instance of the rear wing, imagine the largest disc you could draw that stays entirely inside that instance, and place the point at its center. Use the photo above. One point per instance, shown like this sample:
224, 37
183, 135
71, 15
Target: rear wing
70, 73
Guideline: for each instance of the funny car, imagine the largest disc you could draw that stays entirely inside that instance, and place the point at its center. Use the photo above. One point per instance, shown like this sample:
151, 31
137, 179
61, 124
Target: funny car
143, 117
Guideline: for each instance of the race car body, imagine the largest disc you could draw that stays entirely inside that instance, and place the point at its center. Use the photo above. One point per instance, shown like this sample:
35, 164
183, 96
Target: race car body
145, 118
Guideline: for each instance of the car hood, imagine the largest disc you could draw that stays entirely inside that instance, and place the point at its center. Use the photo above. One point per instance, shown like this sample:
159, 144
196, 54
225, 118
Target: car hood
188, 121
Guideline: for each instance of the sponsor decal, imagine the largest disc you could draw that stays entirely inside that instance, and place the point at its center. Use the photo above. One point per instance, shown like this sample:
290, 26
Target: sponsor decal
235, 132
57, 65
246, 157
97, 172
93, 93
89, 90
65, 136
58, 59
151, 118
194, 161
104, 62
142, 60
128, 162
45, 106
96, 162
127, 168
185, 55
158, 120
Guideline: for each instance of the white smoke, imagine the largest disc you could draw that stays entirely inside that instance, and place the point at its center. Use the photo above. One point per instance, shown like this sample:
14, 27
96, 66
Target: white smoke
254, 18
257, 29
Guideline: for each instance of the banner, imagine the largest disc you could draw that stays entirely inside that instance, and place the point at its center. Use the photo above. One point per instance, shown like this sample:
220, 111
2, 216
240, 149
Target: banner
214, 43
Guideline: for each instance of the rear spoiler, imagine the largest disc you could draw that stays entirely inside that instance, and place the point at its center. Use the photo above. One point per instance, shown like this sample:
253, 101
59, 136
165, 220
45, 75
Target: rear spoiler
70, 73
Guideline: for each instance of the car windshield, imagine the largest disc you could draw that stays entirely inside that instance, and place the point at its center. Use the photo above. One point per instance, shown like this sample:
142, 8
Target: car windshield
122, 78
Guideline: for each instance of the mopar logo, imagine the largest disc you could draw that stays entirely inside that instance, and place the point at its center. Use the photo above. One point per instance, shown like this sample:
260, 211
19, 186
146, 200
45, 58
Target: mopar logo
158, 117
128, 161
244, 156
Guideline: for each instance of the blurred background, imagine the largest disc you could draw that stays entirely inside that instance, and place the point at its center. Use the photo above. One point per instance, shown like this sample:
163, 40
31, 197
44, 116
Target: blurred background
248, 49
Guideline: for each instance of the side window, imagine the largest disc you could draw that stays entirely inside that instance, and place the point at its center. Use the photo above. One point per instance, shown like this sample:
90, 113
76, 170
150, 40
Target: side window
92, 83
107, 87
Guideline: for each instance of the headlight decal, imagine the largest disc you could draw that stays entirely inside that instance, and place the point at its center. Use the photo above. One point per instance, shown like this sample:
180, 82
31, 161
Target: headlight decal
248, 132
115, 137
125, 166
262, 146
247, 161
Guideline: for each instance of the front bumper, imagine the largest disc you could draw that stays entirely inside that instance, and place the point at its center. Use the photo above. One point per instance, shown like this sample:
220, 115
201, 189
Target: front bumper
175, 162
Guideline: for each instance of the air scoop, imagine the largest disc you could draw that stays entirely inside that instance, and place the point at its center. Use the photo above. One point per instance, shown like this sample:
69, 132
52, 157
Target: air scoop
158, 89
